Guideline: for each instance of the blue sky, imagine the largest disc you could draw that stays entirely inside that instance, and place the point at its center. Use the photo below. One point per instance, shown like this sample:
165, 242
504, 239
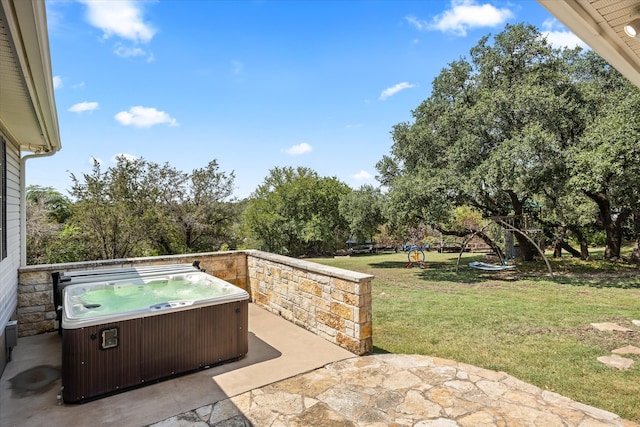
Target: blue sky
254, 84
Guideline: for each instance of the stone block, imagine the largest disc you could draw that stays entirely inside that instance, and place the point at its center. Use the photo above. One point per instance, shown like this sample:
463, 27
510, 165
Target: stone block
33, 309
326, 331
280, 288
344, 285
363, 314
320, 303
353, 299
35, 277
364, 331
337, 295
34, 299
363, 287
300, 315
26, 289
48, 287
310, 287
27, 318
275, 272
319, 278
349, 343
332, 320
343, 310
287, 275
261, 299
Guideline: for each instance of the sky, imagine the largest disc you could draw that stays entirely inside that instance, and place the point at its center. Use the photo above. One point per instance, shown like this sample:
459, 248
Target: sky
254, 84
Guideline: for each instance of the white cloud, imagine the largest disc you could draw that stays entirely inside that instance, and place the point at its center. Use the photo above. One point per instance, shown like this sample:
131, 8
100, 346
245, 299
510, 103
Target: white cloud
559, 37
395, 89
78, 85
82, 107
418, 23
466, 14
143, 117
363, 175
296, 150
130, 52
57, 82
123, 18
126, 156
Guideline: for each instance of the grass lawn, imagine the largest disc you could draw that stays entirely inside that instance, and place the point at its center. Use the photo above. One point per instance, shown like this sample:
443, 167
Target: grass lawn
524, 322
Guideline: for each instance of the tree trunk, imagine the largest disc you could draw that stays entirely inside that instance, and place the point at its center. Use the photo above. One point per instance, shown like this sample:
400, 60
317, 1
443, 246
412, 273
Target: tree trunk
527, 251
584, 245
635, 253
612, 228
559, 240
562, 243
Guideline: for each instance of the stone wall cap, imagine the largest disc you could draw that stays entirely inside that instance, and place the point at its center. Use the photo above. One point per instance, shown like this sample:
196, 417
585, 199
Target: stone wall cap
336, 272
120, 261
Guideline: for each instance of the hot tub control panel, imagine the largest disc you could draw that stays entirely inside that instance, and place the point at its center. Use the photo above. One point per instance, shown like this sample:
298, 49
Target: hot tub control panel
170, 304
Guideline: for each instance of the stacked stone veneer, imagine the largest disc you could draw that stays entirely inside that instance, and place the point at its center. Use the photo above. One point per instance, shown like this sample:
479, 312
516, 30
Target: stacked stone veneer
331, 302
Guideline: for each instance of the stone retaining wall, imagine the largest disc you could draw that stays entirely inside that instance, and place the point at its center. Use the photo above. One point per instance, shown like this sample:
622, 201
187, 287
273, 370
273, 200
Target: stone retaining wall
331, 302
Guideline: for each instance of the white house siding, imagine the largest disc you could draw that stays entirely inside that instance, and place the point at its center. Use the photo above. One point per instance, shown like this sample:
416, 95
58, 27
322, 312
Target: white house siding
9, 266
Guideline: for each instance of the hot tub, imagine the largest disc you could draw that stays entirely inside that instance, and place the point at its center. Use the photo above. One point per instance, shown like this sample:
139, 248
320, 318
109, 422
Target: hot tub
124, 333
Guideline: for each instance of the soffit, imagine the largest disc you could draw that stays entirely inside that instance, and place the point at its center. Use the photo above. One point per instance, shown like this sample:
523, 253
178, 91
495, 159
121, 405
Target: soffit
28, 115
600, 24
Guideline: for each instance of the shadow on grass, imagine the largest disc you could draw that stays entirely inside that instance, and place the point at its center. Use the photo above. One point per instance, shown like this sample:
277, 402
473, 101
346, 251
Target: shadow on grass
440, 271
389, 264
447, 273
379, 350
595, 282
566, 271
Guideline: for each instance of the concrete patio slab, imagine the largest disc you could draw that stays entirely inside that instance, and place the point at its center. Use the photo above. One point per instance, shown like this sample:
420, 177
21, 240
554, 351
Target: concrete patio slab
277, 350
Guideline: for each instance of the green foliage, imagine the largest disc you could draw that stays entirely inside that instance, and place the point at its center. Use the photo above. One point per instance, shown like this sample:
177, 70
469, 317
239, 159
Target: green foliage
48, 237
519, 122
139, 208
606, 163
362, 209
56, 204
295, 212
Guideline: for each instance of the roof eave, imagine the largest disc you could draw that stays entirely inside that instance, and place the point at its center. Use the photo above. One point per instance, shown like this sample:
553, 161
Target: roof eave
594, 31
27, 24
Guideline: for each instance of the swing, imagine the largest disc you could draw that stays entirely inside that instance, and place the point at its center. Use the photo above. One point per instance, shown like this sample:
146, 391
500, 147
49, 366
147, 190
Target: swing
489, 267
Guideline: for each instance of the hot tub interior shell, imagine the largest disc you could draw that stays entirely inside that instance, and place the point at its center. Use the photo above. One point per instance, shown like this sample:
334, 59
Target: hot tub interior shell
151, 347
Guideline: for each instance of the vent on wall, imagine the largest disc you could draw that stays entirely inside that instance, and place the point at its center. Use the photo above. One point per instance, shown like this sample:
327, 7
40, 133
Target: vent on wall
11, 336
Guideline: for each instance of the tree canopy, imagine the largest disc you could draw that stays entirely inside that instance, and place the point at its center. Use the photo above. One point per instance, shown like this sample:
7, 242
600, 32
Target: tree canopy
140, 208
504, 130
295, 212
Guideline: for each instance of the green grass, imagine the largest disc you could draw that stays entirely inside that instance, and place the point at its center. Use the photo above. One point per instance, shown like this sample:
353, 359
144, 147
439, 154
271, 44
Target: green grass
524, 322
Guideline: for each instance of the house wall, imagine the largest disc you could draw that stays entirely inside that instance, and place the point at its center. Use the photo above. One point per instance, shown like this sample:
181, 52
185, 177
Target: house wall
331, 302
9, 266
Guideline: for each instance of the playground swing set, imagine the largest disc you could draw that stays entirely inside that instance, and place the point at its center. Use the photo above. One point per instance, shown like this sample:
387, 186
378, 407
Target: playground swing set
508, 223
416, 256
